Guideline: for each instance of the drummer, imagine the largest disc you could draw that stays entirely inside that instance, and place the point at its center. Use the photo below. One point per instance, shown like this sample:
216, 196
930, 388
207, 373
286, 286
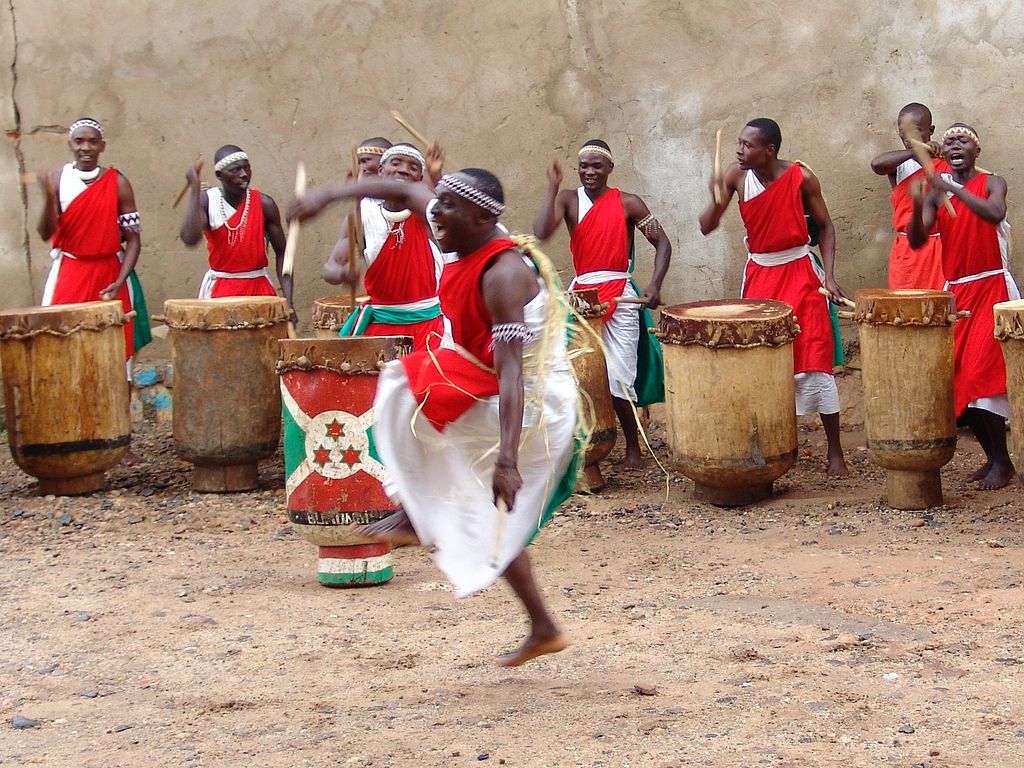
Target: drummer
88, 211
773, 195
237, 221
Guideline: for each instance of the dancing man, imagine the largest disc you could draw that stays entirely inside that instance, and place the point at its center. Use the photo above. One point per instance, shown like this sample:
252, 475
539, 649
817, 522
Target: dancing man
477, 440
237, 221
974, 261
910, 268
773, 195
601, 221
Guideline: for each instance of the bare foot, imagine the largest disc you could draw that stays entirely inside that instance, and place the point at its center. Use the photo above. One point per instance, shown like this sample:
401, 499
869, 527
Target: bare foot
632, 460
981, 473
837, 467
395, 529
1000, 474
533, 647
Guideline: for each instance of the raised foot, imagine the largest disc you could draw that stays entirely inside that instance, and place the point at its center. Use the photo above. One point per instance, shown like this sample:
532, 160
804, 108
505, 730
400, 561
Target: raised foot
395, 529
981, 472
533, 647
837, 467
998, 476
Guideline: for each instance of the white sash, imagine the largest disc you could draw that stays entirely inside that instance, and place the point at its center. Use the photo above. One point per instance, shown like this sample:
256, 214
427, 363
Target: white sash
212, 275
600, 276
778, 258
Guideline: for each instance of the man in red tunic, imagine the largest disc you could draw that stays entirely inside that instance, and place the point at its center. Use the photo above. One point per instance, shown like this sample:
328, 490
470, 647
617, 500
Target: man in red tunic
773, 195
464, 431
909, 268
404, 265
88, 210
237, 221
601, 221
974, 261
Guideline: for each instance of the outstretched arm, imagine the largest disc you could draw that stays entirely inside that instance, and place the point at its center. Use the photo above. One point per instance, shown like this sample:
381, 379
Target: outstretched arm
814, 203
416, 197
195, 220
552, 211
711, 216
278, 241
639, 215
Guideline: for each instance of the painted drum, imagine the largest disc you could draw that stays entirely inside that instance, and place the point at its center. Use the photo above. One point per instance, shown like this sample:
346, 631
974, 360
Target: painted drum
906, 348
591, 374
227, 406
332, 476
330, 313
66, 392
729, 396
1009, 329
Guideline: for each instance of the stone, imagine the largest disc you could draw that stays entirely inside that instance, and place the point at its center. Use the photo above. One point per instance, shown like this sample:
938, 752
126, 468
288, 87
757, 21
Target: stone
906, 729
23, 723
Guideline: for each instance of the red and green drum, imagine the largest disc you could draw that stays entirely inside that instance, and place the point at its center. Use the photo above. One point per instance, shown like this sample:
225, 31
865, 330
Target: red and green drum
333, 478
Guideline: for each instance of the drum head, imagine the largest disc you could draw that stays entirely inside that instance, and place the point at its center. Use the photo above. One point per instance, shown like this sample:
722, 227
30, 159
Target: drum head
228, 313
1009, 320
345, 355
729, 323
61, 318
913, 307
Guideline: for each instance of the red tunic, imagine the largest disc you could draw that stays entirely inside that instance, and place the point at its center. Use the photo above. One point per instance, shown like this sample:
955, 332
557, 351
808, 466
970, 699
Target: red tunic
248, 253
908, 268
444, 382
89, 232
971, 245
599, 243
775, 222
405, 271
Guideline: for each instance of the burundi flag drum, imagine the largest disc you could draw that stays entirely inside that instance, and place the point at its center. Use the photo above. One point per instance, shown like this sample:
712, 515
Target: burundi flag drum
333, 477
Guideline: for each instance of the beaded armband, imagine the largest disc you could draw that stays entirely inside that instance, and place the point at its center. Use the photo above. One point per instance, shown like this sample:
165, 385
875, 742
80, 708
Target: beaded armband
648, 225
509, 332
129, 221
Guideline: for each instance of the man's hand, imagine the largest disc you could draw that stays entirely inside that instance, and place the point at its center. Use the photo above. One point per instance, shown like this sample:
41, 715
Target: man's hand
835, 292
555, 174
435, 163
47, 181
111, 291
506, 483
306, 206
653, 296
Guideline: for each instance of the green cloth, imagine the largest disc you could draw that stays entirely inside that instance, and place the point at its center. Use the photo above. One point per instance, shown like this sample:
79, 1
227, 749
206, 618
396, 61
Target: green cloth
142, 333
368, 313
566, 485
838, 355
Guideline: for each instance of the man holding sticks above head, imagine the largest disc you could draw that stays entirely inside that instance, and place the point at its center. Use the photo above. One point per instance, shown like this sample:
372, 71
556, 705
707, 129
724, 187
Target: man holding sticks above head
404, 267
910, 268
974, 262
601, 221
237, 221
773, 195
477, 439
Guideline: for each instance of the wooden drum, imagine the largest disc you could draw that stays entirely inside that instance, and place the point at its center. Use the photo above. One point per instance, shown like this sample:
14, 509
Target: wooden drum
330, 313
591, 373
66, 392
906, 346
333, 480
227, 407
1009, 329
729, 396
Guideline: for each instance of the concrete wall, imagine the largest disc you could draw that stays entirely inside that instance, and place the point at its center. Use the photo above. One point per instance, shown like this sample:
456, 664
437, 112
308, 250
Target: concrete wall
503, 85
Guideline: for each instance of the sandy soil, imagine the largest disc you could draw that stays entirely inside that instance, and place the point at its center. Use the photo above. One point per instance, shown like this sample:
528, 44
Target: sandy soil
148, 625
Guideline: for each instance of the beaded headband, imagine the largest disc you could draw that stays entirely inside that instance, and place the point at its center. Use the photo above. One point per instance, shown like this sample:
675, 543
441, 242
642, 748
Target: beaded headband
962, 130
368, 150
400, 150
228, 160
472, 194
85, 123
597, 150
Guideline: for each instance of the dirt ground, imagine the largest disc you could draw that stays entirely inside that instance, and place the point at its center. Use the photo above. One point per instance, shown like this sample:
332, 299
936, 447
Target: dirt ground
149, 625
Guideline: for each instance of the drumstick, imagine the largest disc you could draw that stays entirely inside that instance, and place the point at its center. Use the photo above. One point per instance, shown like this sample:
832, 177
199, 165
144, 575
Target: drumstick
839, 299
199, 167
718, 166
630, 300
424, 142
923, 154
355, 226
499, 532
293, 235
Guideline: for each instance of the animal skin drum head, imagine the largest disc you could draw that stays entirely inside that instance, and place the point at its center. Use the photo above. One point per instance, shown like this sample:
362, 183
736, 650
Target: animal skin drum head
743, 309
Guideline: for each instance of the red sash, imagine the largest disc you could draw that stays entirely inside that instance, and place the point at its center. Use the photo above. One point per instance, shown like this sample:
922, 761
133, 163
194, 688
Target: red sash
600, 242
908, 268
775, 218
445, 383
250, 249
404, 270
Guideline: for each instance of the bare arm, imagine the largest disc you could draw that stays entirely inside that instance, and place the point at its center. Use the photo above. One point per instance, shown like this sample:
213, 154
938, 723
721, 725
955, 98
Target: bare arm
814, 203
49, 182
887, 163
711, 216
507, 287
637, 210
415, 197
278, 240
132, 239
992, 209
335, 270
552, 211
922, 218
195, 220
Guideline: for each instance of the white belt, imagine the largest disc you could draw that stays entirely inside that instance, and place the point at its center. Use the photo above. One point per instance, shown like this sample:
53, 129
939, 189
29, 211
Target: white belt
601, 276
976, 276
904, 234
778, 258
433, 301
212, 275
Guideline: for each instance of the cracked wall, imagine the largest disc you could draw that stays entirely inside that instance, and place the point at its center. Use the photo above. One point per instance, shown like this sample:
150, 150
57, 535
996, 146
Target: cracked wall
506, 86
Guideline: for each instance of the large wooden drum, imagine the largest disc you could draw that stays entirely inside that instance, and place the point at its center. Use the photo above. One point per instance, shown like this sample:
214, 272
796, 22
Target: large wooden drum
66, 392
729, 396
330, 313
591, 372
333, 479
227, 407
906, 347
1009, 329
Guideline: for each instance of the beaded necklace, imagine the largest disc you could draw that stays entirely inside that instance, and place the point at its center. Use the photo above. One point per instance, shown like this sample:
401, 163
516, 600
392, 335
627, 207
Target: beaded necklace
237, 232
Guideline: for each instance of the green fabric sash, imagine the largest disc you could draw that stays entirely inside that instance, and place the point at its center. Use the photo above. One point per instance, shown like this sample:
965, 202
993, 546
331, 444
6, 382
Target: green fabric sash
142, 333
375, 313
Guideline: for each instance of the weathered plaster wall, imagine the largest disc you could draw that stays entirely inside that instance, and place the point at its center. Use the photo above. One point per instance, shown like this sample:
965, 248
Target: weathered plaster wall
504, 85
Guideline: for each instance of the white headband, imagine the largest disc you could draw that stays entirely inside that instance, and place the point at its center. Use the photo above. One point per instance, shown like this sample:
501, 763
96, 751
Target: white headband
471, 193
229, 160
597, 150
401, 150
962, 130
85, 122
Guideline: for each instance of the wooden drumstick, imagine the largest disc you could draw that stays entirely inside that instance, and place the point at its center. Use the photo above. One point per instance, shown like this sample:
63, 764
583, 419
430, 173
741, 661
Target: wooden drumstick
718, 167
923, 153
293, 235
630, 300
841, 299
199, 167
499, 532
355, 230
424, 142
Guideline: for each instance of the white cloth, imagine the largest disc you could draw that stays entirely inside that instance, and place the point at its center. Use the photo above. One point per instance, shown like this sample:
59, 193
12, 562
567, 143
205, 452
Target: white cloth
443, 479
71, 185
218, 217
906, 169
816, 392
621, 334
997, 404
212, 275
375, 228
